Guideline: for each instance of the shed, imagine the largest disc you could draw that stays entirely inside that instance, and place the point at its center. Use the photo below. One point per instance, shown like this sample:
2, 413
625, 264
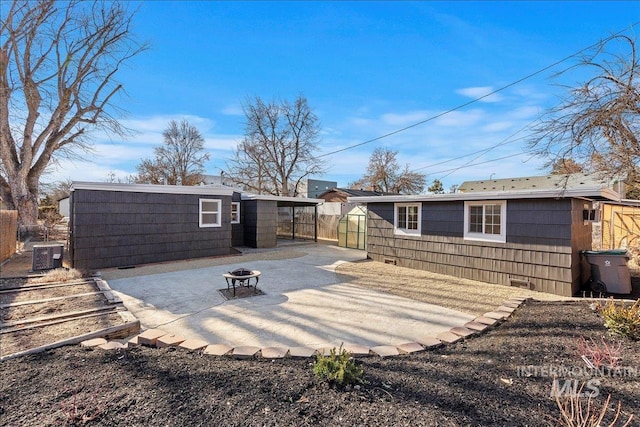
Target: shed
116, 225
528, 238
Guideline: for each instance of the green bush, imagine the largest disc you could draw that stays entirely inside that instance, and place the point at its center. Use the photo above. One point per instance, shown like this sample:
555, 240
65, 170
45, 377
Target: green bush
623, 319
338, 368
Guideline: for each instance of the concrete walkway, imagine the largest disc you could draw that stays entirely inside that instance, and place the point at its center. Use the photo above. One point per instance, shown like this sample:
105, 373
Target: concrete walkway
306, 303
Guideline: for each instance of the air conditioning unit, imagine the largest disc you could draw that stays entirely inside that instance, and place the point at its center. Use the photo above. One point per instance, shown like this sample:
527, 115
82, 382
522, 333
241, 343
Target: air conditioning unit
47, 257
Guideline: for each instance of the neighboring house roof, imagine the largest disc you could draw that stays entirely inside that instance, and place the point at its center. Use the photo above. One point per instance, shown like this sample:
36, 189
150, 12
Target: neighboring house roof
593, 193
348, 192
547, 182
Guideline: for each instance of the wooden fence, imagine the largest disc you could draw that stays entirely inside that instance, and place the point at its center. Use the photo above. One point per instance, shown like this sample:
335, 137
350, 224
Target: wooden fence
327, 226
8, 233
620, 226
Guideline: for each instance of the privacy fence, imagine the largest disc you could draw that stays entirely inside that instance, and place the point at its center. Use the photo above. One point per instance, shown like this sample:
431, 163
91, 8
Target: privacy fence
8, 233
620, 226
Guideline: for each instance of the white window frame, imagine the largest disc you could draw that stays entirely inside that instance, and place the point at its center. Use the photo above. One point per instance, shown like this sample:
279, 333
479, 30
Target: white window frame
403, 230
482, 236
237, 220
218, 212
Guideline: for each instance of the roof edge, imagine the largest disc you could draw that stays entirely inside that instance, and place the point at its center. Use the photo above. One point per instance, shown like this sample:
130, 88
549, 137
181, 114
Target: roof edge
590, 192
246, 196
152, 188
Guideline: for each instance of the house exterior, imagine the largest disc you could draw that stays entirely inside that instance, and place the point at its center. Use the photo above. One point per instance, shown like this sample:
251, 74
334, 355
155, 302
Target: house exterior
527, 238
312, 188
117, 225
341, 196
63, 207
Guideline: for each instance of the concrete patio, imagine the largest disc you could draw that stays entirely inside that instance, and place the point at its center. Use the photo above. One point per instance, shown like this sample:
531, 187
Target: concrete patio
306, 303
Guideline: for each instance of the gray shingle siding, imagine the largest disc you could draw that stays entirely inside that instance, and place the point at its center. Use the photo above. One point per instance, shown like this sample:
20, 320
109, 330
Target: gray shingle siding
117, 228
261, 222
544, 240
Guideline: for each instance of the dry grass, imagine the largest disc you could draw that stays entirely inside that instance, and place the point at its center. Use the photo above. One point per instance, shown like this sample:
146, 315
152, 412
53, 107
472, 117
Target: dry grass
58, 275
468, 296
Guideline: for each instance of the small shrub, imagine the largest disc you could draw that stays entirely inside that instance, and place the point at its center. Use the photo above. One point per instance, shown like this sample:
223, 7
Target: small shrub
81, 408
622, 319
338, 368
574, 413
596, 355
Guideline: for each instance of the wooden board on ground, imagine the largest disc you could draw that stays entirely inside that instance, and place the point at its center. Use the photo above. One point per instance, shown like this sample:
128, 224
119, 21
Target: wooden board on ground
35, 317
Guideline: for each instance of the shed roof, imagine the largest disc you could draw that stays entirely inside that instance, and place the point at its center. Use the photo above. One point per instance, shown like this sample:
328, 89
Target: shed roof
154, 188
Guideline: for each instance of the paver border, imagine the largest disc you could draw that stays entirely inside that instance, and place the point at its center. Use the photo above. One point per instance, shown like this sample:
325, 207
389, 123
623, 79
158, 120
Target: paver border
480, 325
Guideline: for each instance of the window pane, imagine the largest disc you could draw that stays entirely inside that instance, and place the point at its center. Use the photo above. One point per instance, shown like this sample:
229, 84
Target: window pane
209, 206
402, 217
234, 212
475, 219
412, 217
209, 218
492, 219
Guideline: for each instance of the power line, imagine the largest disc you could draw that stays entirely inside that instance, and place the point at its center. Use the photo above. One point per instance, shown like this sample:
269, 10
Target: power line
505, 141
474, 164
473, 101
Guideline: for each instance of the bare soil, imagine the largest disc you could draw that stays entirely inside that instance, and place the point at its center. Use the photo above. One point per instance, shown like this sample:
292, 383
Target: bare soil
39, 314
500, 378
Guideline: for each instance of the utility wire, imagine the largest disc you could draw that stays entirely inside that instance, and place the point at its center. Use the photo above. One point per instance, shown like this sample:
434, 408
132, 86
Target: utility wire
473, 101
505, 141
474, 164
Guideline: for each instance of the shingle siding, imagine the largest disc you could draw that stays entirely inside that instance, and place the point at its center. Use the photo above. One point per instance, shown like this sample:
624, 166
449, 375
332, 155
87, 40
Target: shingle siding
118, 228
261, 223
544, 240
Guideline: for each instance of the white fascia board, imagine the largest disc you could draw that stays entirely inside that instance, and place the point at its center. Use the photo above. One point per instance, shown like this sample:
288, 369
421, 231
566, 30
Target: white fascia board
152, 188
493, 195
246, 196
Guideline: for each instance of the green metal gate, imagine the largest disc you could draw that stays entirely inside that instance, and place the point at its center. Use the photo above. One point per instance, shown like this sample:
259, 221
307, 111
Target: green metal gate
352, 229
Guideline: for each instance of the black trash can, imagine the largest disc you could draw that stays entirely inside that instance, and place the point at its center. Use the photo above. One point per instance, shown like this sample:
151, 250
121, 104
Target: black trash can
609, 271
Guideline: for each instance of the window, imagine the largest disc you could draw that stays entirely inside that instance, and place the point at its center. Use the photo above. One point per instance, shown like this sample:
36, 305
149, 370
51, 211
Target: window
210, 212
485, 221
235, 212
408, 218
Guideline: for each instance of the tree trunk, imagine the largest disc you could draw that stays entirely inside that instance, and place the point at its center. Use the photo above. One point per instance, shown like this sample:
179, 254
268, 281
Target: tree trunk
26, 203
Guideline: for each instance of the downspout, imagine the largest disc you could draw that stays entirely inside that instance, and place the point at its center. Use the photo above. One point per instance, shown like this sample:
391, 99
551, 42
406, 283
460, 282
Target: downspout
293, 221
315, 223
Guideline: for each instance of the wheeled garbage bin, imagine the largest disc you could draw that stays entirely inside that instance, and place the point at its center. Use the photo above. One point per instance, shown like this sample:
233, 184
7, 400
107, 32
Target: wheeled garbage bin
609, 271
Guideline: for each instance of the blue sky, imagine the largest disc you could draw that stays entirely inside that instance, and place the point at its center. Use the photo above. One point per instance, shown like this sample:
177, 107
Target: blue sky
366, 68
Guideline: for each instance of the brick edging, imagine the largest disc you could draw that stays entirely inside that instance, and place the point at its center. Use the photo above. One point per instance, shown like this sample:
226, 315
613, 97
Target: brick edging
159, 339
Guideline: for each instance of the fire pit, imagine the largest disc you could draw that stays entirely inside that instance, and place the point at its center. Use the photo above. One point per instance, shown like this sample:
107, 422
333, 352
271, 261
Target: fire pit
242, 277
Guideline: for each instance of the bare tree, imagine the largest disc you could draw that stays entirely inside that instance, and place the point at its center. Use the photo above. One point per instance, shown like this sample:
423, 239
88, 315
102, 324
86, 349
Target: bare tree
179, 161
58, 62
598, 124
56, 191
278, 149
385, 174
